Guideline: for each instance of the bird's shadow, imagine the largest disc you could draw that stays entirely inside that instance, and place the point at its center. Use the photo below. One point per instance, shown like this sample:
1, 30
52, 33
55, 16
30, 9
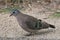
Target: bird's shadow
41, 32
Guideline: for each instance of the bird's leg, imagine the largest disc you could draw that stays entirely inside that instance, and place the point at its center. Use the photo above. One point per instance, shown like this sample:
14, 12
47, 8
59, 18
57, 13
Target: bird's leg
33, 33
30, 34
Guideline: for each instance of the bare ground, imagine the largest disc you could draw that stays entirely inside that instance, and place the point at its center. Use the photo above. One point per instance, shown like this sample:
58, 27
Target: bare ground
10, 28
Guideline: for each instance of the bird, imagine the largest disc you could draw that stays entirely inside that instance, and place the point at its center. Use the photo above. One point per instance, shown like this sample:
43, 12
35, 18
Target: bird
30, 23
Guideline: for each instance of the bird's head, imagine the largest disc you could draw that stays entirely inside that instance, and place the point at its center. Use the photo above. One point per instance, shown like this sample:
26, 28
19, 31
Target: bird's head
15, 12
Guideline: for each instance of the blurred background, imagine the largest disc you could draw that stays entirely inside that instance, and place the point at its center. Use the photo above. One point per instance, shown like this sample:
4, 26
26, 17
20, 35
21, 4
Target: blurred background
25, 4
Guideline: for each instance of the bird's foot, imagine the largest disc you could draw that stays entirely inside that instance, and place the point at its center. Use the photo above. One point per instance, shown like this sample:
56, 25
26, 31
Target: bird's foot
30, 34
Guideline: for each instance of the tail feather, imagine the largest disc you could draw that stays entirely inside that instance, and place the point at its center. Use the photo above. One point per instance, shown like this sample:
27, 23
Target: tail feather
52, 26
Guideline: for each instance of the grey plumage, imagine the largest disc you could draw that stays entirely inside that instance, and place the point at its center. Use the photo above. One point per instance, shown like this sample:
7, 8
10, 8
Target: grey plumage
29, 23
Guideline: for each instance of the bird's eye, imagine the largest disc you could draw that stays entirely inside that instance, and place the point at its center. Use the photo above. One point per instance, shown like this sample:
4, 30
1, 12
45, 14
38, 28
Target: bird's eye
13, 12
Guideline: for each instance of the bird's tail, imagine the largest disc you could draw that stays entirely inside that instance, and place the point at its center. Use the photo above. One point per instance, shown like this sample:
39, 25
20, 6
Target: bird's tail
52, 26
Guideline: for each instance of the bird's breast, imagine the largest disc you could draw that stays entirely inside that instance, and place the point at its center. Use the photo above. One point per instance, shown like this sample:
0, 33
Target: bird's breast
21, 20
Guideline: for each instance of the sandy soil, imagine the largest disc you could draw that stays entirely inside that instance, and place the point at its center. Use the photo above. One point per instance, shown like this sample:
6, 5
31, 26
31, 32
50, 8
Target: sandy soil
9, 26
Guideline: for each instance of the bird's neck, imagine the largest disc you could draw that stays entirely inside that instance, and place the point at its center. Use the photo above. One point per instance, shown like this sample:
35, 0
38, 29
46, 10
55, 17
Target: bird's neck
21, 16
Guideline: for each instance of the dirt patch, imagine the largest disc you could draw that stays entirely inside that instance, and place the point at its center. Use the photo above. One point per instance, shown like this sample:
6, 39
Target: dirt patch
9, 26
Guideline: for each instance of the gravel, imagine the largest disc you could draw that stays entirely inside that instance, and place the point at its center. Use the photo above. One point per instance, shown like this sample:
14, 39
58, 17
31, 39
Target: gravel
11, 30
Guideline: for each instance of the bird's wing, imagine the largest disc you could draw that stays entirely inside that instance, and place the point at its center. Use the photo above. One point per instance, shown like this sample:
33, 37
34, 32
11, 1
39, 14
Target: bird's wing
30, 24
44, 24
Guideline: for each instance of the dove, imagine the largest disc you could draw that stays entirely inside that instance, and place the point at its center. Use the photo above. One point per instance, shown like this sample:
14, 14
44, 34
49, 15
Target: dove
30, 23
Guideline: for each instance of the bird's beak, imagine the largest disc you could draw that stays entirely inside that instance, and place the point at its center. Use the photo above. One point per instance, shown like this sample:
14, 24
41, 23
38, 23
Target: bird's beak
11, 14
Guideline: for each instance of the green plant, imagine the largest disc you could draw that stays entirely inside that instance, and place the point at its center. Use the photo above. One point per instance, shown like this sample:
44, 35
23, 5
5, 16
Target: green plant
9, 9
55, 15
